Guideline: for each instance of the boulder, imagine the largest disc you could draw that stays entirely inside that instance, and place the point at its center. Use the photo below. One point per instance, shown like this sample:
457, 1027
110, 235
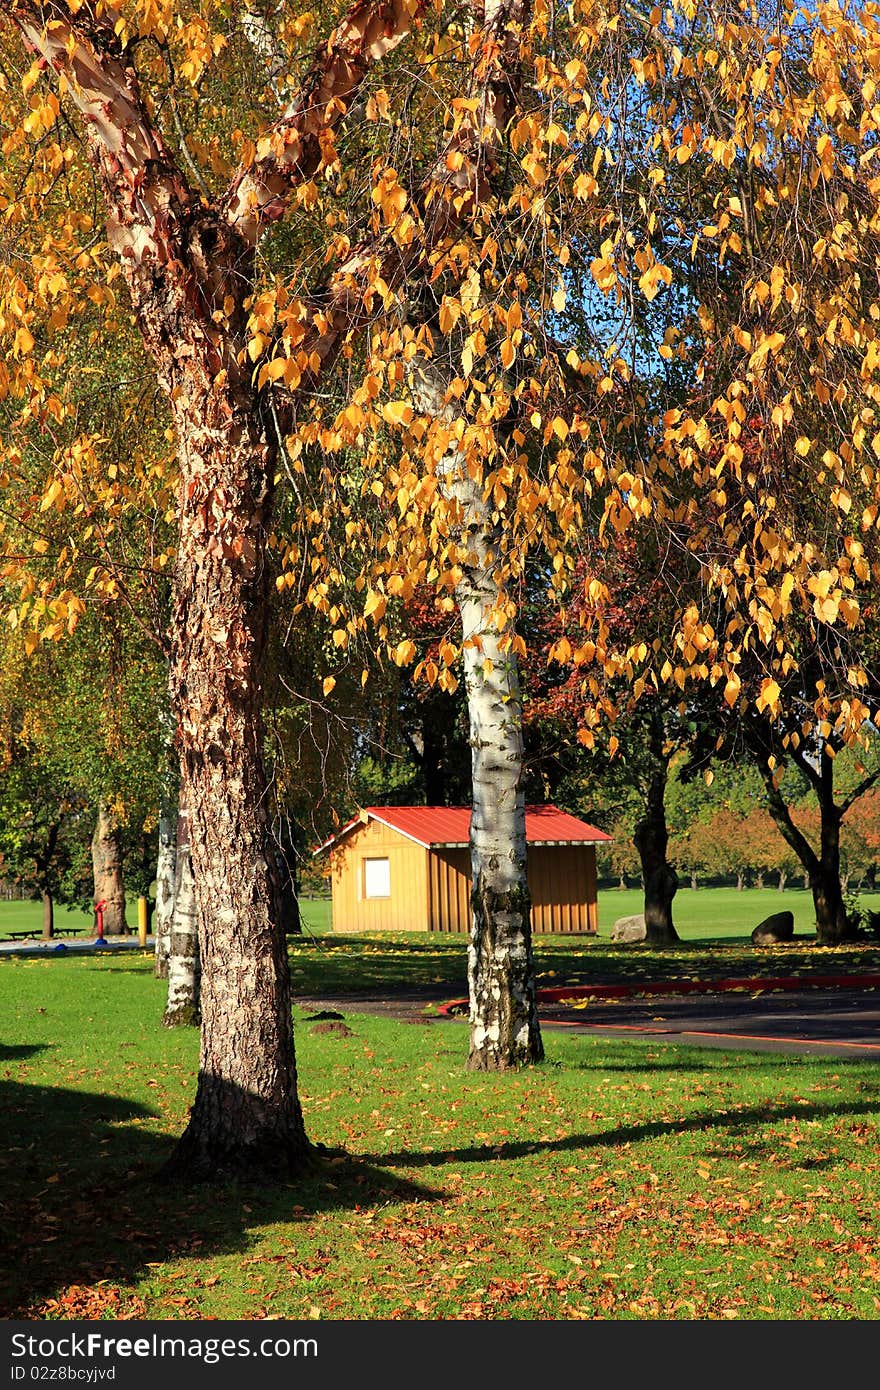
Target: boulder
628, 929
776, 930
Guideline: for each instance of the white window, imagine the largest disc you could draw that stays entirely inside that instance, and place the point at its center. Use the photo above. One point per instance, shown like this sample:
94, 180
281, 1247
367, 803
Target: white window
377, 878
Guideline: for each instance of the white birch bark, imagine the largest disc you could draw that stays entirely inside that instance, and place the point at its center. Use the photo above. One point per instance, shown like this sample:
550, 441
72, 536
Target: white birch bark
182, 1008
501, 981
166, 861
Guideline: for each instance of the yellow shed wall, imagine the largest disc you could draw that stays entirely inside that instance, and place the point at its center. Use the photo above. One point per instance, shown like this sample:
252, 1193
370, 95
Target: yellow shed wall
406, 909
562, 883
430, 890
449, 888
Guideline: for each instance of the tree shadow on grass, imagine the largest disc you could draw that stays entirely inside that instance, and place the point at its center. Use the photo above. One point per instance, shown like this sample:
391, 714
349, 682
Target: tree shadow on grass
737, 1122
80, 1203
17, 1052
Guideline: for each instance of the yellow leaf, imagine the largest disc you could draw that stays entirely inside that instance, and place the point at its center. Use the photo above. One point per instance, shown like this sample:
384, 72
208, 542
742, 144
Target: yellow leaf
31, 642
375, 604
328, 685
397, 413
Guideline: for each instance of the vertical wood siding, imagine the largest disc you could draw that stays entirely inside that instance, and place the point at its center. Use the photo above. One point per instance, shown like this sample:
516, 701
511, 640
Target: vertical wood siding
431, 889
407, 907
449, 879
562, 882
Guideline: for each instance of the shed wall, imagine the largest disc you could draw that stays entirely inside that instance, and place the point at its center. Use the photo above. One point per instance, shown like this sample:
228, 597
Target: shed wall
562, 883
430, 889
406, 909
449, 887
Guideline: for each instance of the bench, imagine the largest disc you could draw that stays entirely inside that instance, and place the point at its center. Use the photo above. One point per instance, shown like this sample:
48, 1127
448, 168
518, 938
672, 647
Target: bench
33, 936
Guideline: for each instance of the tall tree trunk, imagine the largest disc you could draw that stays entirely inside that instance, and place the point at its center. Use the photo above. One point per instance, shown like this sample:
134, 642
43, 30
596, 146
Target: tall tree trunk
501, 978
182, 1007
822, 870
48, 915
246, 1118
165, 875
107, 870
651, 839
504, 1028
169, 798
288, 881
832, 921
189, 264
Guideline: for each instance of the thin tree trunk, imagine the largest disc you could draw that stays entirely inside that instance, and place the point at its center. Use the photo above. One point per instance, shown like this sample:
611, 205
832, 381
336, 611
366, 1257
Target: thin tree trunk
740, 880
288, 880
822, 870
783, 879
759, 880
651, 839
694, 882
182, 1008
501, 979
169, 800
166, 861
48, 915
504, 1028
107, 869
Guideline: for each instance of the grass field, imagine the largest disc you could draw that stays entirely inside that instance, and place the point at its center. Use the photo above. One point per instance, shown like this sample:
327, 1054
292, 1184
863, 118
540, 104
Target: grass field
704, 914
617, 1180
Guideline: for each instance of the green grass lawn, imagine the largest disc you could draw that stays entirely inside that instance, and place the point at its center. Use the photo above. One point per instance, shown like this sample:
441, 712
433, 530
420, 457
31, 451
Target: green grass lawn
707, 914
28, 916
617, 1180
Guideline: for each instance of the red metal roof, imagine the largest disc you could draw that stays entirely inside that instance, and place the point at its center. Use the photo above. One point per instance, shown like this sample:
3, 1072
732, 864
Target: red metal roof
438, 827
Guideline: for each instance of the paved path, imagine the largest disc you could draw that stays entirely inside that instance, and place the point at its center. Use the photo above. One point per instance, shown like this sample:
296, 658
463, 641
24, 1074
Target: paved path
828, 1023
72, 945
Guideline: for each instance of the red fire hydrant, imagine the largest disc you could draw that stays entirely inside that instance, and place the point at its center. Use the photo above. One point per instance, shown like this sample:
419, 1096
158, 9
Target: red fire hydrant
99, 919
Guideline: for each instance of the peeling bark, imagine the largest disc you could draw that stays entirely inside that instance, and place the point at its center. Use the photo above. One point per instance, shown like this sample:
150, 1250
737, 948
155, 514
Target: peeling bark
189, 267
107, 870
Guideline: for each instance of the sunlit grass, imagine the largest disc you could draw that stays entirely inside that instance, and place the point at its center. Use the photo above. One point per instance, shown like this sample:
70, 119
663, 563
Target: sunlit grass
619, 1180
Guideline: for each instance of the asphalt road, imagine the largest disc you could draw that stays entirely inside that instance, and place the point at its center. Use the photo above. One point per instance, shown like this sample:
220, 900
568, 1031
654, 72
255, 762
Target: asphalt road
829, 1023
832, 1023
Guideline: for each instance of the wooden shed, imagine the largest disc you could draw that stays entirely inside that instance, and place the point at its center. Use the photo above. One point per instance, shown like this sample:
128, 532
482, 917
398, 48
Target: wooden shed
407, 868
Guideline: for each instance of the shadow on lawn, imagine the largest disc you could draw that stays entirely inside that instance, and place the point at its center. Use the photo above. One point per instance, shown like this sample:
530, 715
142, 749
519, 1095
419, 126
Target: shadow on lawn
19, 1051
735, 1121
79, 1200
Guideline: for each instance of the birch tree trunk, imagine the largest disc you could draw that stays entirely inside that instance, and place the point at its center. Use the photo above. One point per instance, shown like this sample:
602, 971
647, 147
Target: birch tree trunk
501, 978
107, 869
182, 1007
165, 874
169, 802
188, 261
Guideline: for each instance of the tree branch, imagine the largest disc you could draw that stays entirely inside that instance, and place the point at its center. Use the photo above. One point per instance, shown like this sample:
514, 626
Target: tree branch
294, 148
